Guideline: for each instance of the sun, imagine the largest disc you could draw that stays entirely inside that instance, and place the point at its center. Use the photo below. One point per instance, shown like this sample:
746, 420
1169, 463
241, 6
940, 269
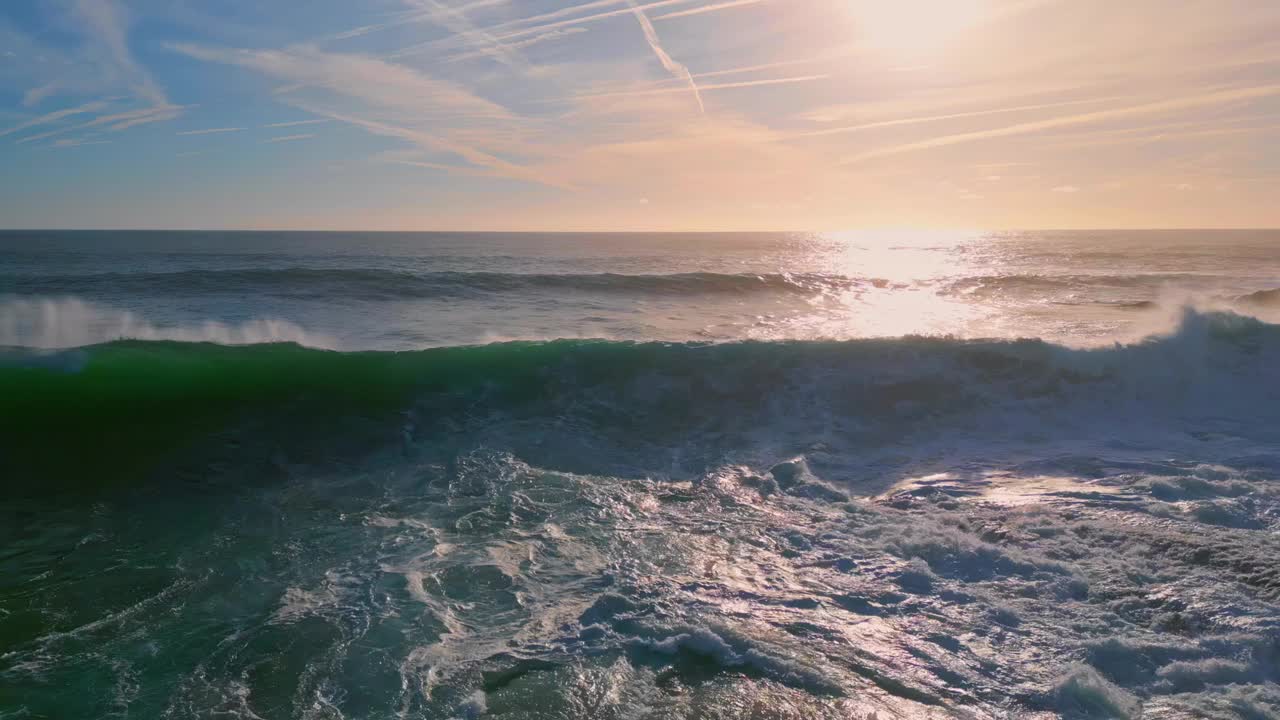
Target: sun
913, 27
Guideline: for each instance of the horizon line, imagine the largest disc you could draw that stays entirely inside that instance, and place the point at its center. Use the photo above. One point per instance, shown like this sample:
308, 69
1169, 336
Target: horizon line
541, 231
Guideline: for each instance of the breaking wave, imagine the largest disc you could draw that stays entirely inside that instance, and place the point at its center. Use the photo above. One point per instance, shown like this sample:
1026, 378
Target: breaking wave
70, 322
1217, 370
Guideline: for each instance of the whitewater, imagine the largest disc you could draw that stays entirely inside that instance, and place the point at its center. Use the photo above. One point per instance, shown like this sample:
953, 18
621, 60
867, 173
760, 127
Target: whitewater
964, 475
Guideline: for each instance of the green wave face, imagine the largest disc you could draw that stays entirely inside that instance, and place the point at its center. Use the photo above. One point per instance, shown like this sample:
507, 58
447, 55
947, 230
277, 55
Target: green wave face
118, 411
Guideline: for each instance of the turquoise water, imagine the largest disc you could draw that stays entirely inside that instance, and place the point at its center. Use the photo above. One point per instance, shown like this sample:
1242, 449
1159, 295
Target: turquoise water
303, 490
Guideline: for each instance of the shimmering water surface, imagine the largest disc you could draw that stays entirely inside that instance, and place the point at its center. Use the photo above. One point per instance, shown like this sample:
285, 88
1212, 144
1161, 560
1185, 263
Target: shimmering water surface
889, 475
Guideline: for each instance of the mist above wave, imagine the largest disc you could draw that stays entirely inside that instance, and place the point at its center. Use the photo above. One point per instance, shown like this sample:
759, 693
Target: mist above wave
49, 323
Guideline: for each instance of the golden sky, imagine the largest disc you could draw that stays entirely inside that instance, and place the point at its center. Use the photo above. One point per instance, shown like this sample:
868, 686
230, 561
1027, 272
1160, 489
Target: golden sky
644, 114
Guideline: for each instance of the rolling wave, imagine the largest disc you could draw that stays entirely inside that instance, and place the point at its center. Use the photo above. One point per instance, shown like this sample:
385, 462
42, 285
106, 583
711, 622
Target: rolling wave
988, 285
1262, 298
375, 284
139, 401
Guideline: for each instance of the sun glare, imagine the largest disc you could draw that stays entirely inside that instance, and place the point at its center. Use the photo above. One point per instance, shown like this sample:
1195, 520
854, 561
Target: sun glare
914, 26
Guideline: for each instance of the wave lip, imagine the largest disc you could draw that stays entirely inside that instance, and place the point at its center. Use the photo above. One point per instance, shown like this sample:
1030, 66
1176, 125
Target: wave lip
376, 284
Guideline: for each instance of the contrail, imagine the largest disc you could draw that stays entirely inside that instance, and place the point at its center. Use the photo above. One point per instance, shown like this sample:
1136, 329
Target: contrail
668, 62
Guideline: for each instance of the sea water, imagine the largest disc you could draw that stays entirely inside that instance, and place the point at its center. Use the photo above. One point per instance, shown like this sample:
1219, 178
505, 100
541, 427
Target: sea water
889, 475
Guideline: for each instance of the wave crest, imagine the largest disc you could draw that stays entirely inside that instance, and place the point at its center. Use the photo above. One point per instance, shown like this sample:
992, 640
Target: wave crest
70, 322
1218, 373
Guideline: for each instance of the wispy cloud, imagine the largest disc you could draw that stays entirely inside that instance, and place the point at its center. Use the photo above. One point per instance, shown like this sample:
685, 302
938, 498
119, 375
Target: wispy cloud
116, 121
415, 14
397, 101
483, 42
213, 131
369, 79
104, 22
715, 7
102, 65
710, 86
143, 116
521, 44
639, 88
675, 68
1184, 103
296, 123
436, 143
290, 138
54, 117
40, 93
757, 68
548, 21
70, 143
950, 116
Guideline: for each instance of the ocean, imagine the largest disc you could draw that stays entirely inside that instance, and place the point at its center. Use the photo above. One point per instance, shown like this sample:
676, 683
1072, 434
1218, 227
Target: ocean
772, 475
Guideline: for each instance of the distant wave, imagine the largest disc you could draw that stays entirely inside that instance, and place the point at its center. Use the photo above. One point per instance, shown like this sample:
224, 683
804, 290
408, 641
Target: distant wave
998, 284
1143, 291
135, 394
374, 284
1115, 304
1262, 298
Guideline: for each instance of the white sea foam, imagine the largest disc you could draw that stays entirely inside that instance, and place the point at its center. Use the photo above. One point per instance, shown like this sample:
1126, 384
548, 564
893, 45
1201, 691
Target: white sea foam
55, 323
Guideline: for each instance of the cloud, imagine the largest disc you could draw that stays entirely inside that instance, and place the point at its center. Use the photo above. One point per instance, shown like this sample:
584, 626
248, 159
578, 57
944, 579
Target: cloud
418, 13
496, 166
95, 60
104, 23
675, 68
938, 118
70, 143
484, 43
53, 117
117, 121
388, 100
708, 8
361, 77
143, 116
213, 131
1068, 189
710, 87
757, 68
39, 94
550, 21
1183, 103
290, 138
520, 44
296, 123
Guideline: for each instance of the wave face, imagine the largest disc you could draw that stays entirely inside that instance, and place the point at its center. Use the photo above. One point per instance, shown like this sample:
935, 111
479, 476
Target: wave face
863, 394
374, 284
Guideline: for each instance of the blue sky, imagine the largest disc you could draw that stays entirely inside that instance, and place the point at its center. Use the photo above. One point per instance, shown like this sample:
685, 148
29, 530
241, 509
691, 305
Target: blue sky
639, 114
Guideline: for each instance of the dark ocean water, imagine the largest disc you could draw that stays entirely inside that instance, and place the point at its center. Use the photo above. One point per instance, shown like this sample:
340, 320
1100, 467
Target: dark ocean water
286, 475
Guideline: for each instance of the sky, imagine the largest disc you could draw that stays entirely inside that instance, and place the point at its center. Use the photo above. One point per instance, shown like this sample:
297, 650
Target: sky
639, 114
